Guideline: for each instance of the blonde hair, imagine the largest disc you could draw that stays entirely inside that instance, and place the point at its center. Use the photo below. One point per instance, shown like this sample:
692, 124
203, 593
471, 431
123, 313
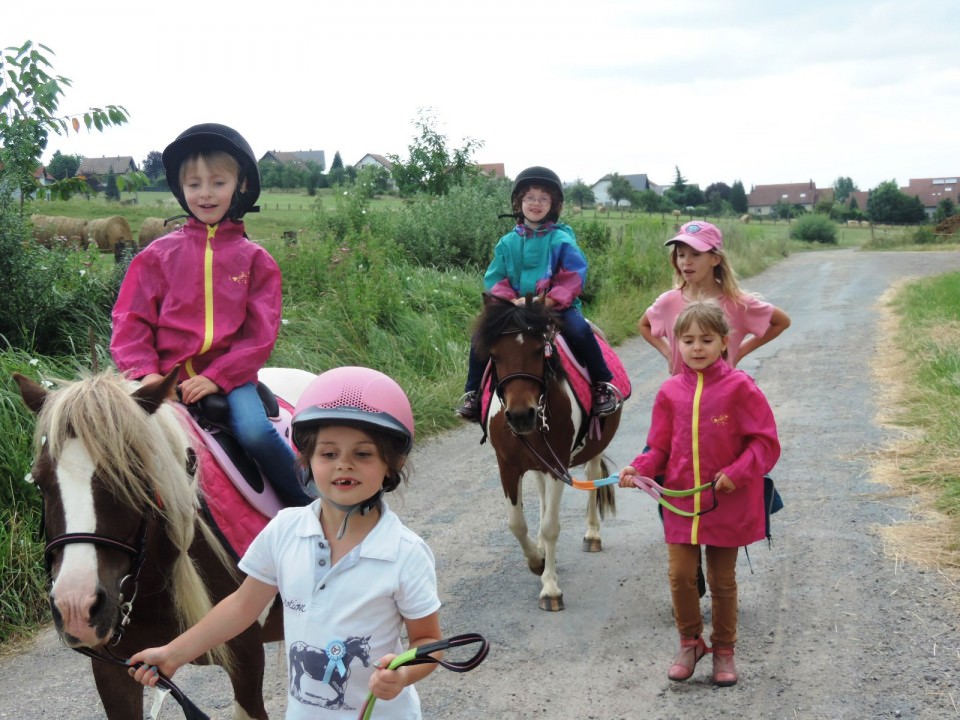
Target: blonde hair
706, 314
215, 160
723, 273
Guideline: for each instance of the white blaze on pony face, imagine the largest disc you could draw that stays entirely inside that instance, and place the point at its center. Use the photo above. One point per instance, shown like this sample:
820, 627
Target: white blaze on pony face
74, 588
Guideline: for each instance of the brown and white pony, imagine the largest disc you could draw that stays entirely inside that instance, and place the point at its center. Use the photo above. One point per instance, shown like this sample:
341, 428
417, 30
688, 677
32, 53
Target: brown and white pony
538, 428
132, 562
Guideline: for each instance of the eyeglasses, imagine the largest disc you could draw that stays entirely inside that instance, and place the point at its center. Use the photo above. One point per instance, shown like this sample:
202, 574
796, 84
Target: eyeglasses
532, 200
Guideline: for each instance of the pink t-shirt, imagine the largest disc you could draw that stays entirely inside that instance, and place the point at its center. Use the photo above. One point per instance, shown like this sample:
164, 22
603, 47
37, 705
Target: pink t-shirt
747, 316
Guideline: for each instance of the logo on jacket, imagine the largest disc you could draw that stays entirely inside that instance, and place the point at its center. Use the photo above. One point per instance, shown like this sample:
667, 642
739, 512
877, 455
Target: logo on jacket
720, 419
242, 279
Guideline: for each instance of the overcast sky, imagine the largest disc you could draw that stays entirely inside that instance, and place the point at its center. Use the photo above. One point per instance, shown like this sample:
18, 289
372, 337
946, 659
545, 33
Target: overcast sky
752, 90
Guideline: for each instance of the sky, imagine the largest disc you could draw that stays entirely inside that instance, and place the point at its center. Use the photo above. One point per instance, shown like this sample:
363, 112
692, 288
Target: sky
720, 90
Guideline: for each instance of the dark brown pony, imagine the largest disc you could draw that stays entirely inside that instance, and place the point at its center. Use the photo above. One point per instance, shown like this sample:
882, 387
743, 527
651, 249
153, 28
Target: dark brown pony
131, 561
536, 426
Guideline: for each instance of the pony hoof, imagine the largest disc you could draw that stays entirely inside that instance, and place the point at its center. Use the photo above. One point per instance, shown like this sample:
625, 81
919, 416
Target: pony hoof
551, 604
592, 545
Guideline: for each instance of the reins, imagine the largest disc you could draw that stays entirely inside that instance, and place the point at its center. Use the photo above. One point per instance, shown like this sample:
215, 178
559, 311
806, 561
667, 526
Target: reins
190, 711
656, 491
421, 655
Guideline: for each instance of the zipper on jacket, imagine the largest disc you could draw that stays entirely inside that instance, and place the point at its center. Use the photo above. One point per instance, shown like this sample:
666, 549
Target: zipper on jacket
207, 297
695, 442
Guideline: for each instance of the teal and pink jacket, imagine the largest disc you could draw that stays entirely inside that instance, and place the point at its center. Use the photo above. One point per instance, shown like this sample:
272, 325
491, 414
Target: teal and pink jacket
204, 297
545, 260
705, 422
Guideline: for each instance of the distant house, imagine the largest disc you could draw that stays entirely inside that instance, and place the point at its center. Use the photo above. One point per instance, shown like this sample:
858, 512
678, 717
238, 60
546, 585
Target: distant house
40, 175
375, 160
763, 198
932, 191
297, 157
639, 182
494, 170
861, 196
101, 167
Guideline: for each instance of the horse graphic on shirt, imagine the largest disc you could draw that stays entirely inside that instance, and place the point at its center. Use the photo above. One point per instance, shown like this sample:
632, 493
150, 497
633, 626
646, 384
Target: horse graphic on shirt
329, 667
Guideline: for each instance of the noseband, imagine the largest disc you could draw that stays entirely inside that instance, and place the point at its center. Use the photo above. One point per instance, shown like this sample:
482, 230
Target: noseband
553, 464
137, 554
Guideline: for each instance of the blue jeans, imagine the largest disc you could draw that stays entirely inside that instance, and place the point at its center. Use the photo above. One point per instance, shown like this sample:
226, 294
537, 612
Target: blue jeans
258, 436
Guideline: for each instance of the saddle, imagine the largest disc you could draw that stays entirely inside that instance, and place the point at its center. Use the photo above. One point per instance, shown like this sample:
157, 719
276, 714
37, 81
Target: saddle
237, 499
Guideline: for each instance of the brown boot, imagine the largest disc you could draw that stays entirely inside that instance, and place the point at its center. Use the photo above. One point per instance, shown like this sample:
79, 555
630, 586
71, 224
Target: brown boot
724, 668
691, 650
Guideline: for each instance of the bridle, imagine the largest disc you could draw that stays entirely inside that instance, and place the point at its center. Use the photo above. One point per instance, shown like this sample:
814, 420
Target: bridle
553, 464
136, 552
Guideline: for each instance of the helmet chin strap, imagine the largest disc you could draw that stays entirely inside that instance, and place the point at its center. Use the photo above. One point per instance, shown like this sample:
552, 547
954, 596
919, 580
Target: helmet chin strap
362, 507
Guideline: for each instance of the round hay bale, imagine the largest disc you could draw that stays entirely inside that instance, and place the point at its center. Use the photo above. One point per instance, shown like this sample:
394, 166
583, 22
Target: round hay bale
154, 227
51, 230
745, 218
107, 232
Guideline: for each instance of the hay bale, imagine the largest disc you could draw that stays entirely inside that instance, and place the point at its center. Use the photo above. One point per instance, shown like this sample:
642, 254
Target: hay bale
51, 230
745, 218
108, 232
154, 227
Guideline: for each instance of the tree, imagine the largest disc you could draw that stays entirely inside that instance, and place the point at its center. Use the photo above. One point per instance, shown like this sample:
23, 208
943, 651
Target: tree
63, 166
679, 181
945, 208
620, 188
29, 102
580, 194
153, 165
738, 198
431, 167
112, 192
842, 187
887, 204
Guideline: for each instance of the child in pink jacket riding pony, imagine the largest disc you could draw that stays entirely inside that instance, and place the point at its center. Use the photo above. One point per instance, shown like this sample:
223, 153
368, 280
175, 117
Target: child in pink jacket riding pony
208, 300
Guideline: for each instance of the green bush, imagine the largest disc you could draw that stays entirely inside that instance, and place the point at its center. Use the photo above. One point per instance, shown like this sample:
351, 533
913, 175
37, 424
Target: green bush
55, 299
814, 228
455, 230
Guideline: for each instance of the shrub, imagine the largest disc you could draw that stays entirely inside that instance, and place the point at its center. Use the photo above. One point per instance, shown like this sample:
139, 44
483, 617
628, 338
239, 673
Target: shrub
814, 228
455, 230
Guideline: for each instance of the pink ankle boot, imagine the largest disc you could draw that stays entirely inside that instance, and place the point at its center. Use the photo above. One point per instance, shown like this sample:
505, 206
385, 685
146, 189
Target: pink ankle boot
724, 668
691, 650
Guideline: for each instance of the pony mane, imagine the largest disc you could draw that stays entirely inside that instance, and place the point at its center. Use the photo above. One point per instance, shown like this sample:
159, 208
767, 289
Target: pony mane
141, 457
502, 316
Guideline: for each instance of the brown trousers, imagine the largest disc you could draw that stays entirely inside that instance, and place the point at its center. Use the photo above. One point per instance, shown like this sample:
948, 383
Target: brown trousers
721, 577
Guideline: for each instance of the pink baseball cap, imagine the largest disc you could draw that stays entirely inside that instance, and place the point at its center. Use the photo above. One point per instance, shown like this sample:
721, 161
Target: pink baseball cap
700, 235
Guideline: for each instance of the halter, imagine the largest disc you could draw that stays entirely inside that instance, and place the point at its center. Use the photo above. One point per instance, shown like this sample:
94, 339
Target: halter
137, 552
553, 464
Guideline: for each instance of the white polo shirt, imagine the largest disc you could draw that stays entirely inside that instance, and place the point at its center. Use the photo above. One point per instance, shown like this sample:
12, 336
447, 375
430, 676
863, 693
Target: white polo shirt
339, 620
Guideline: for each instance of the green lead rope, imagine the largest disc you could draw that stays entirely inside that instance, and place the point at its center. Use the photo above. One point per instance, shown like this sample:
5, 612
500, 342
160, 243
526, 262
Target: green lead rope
421, 655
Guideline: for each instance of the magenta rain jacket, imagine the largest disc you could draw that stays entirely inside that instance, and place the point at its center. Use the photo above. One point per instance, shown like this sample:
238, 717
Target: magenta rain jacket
203, 296
703, 423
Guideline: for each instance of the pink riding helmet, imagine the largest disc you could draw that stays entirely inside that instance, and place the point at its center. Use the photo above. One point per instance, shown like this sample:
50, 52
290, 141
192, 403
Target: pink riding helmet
356, 396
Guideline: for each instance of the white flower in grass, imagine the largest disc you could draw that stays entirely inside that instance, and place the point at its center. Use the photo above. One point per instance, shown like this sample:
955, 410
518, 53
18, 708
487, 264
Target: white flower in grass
34, 362
284, 321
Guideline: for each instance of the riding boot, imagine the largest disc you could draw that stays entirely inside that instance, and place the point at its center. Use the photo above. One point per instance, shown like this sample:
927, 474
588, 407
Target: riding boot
724, 667
691, 650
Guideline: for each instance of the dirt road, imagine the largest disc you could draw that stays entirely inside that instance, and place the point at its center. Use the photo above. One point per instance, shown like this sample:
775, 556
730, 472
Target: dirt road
830, 627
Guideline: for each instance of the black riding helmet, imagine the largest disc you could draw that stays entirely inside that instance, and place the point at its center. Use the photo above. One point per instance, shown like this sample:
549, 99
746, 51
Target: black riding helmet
213, 136
541, 176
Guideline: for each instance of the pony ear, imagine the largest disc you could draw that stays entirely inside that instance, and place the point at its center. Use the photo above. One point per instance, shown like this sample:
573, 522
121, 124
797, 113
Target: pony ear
151, 396
34, 394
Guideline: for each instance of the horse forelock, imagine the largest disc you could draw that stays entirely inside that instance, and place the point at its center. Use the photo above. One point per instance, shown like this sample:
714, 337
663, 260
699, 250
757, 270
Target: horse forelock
503, 317
139, 457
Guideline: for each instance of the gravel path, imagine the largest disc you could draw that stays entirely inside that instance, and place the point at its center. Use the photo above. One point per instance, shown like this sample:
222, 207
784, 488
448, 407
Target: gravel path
830, 627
